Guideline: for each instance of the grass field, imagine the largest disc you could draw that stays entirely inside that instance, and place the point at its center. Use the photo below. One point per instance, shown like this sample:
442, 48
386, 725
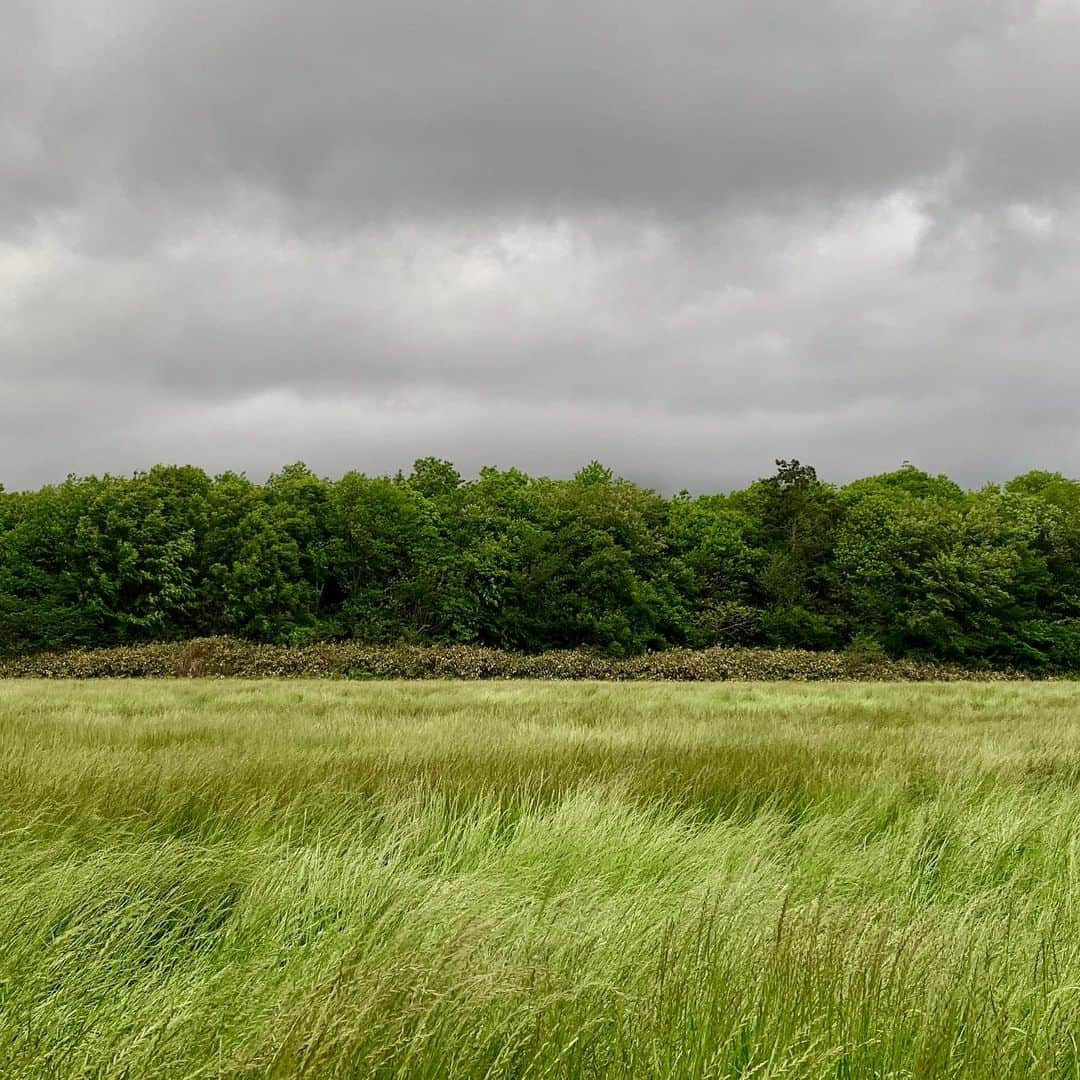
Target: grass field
241, 879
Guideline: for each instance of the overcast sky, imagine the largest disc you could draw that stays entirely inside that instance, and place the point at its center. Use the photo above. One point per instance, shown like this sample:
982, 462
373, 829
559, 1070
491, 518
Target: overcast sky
684, 237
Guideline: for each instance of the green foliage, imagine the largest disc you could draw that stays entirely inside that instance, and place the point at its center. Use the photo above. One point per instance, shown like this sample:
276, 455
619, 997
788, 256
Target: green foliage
907, 560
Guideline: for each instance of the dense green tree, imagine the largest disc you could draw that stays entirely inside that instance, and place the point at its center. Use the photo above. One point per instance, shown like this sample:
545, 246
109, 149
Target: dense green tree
385, 559
794, 519
715, 568
904, 562
920, 577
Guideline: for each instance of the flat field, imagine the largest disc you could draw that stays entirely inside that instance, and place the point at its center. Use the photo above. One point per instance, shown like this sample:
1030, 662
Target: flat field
331, 879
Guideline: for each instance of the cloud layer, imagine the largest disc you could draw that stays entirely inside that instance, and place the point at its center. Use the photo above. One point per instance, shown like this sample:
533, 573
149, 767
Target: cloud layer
683, 238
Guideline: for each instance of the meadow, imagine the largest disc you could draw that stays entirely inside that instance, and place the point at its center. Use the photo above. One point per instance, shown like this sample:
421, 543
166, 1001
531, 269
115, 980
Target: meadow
226, 878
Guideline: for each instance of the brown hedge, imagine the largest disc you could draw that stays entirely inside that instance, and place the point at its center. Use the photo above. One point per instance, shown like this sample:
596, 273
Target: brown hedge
221, 657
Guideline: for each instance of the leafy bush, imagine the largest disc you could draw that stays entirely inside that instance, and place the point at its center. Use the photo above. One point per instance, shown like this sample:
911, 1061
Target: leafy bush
230, 657
867, 647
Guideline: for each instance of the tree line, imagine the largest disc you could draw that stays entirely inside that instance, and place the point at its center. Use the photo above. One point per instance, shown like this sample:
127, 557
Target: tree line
904, 563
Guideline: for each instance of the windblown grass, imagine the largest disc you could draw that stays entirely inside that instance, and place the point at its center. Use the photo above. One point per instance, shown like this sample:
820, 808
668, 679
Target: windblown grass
227, 879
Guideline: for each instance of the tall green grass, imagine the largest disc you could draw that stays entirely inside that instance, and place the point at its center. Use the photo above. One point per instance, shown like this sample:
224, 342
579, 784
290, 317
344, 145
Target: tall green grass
225, 879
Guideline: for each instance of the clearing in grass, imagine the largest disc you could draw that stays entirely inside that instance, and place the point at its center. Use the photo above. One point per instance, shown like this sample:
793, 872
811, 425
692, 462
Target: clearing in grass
230, 879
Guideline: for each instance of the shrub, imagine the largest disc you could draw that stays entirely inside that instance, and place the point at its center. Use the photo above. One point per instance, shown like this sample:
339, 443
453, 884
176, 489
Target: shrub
230, 657
865, 647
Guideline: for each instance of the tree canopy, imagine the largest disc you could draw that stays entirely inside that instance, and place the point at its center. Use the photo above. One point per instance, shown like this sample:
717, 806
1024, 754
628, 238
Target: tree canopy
903, 563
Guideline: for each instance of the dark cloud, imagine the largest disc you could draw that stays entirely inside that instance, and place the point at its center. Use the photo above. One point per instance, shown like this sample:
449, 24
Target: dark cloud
404, 107
684, 238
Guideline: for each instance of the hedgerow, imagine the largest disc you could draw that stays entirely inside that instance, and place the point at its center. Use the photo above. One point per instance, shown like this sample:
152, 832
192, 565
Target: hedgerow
228, 657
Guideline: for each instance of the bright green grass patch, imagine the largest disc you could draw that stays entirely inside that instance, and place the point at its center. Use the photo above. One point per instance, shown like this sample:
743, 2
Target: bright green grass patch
224, 879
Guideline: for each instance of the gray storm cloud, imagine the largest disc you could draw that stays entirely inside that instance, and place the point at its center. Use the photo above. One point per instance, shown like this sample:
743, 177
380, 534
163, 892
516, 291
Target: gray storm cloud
682, 238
